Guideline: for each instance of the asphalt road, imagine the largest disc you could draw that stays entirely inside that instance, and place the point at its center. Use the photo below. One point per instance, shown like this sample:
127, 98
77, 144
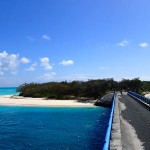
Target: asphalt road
139, 117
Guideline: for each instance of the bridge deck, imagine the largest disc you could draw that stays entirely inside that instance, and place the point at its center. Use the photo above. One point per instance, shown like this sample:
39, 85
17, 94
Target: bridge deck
138, 117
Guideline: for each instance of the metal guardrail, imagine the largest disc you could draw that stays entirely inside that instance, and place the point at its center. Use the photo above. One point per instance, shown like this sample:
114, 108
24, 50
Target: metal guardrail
141, 98
108, 132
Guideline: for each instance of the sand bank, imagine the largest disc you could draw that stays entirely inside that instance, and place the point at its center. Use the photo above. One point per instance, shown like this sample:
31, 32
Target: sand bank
25, 101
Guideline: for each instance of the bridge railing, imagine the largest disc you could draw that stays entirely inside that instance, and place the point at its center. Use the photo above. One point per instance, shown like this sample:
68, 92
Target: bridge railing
141, 98
108, 132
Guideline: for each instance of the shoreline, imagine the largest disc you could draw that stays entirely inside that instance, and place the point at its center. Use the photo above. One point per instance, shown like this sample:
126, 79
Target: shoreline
15, 100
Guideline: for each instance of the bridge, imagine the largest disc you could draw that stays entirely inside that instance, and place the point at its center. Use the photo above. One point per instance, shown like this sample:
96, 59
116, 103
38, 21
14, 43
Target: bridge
129, 124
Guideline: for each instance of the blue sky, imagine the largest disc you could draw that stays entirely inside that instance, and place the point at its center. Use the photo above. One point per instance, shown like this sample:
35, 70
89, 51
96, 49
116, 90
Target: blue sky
55, 40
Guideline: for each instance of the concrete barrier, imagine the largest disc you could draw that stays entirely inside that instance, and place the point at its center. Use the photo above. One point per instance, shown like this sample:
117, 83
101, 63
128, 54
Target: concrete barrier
108, 132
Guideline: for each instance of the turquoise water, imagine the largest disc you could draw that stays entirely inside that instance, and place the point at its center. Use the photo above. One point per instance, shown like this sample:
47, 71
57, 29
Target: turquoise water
48, 128
52, 128
8, 91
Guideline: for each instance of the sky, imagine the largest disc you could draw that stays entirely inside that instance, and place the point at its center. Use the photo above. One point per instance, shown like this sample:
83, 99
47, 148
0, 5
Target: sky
66, 40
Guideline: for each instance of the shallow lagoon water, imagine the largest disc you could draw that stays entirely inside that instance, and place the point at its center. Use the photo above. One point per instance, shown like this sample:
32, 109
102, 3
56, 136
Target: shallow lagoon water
8, 91
49, 128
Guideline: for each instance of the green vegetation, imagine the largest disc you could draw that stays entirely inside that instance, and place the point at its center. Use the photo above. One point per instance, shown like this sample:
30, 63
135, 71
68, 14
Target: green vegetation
91, 89
134, 85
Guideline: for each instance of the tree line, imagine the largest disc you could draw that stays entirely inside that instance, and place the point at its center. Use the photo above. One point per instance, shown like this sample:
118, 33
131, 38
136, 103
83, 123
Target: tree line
92, 89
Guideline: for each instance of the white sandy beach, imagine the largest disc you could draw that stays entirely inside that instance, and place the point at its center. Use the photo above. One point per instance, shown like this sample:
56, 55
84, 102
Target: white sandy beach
147, 95
26, 101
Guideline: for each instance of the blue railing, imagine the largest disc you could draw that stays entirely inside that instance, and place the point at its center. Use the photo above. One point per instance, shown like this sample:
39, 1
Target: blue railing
140, 98
108, 132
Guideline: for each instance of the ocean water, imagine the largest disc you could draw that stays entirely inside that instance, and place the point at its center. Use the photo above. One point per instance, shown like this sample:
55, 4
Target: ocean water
8, 91
38, 128
49, 128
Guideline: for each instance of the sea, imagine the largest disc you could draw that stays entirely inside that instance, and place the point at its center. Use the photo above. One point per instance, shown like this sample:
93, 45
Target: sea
8, 91
51, 128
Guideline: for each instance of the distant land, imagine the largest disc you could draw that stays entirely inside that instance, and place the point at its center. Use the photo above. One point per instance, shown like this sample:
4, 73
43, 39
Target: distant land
91, 89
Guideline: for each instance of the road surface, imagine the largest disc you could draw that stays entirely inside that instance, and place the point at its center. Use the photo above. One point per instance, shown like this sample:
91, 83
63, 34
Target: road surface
139, 118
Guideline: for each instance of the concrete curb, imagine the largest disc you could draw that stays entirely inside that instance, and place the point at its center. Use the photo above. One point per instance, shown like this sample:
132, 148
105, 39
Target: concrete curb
116, 143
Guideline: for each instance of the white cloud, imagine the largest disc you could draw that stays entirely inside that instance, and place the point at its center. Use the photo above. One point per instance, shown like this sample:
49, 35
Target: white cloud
24, 60
10, 62
32, 67
46, 37
49, 75
143, 45
3, 54
45, 63
123, 43
104, 68
66, 62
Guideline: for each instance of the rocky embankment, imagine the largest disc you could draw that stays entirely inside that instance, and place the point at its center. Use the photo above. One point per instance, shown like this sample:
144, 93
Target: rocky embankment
105, 101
